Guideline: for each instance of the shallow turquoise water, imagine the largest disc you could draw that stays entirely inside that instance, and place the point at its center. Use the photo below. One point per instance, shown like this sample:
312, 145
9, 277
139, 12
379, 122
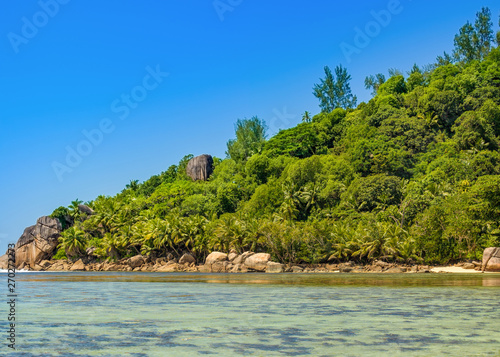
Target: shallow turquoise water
152, 314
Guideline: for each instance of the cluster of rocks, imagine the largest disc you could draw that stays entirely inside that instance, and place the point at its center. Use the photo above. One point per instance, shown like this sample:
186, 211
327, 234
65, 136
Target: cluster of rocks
219, 262
215, 262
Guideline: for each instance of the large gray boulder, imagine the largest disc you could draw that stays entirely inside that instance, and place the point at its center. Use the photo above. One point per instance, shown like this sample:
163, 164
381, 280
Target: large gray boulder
77, 266
187, 259
4, 261
273, 267
136, 261
86, 209
38, 242
200, 167
257, 262
491, 259
215, 257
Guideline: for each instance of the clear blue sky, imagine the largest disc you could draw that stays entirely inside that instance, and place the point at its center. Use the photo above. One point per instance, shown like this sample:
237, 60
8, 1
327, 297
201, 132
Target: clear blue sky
79, 65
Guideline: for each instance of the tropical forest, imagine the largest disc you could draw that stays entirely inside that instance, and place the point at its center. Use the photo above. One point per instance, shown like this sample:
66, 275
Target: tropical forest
411, 176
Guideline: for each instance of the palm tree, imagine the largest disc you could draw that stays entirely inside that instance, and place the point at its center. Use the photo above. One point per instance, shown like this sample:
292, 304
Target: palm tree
111, 246
292, 199
309, 197
72, 240
74, 211
344, 241
133, 185
224, 233
306, 117
380, 240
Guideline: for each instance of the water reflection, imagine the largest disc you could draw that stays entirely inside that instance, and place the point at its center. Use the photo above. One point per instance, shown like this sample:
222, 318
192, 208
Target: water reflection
491, 282
388, 280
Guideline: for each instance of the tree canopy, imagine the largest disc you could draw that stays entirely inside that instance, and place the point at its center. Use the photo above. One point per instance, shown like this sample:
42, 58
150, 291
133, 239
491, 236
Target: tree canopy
334, 91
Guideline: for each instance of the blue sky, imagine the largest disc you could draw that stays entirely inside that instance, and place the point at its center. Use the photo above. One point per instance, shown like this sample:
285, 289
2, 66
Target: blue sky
72, 66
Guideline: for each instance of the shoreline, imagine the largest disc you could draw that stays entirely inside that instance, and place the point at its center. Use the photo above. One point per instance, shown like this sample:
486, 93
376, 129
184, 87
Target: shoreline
174, 267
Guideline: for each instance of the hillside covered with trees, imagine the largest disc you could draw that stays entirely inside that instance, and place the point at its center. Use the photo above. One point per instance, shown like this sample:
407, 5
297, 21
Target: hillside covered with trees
411, 176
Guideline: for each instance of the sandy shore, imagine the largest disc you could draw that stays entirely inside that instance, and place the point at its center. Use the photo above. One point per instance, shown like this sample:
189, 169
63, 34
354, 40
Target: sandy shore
454, 269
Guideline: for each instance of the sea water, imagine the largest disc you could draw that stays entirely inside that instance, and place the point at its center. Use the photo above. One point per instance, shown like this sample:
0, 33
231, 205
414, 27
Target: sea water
160, 314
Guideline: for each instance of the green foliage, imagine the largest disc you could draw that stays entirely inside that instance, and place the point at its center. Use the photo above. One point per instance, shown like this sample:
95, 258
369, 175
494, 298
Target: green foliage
369, 193
374, 82
394, 85
473, 132
334, 91
72, 241
473, 42
60, 255
63, 215
250, 138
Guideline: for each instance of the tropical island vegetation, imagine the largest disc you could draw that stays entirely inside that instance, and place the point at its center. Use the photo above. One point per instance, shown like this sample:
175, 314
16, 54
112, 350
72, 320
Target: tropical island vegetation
413, 175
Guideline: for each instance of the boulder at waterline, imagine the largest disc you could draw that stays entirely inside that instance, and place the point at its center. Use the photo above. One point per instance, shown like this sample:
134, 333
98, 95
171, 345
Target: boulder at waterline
187, 259
273, 267
78, 266
491, 259
4, 261
136, 261
169, 268
214, 257
257, 261
38, 242
240, 259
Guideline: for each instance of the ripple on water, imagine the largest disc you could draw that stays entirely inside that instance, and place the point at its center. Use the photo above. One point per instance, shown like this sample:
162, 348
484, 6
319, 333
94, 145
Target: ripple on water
257, 314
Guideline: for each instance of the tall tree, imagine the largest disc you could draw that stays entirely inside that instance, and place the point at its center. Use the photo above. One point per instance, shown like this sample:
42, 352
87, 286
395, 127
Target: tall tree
74, 210
133, 185
306, 117
335, 91
445, 59
473, 42
250, 138
498, 33
483, 36
394, 72
374, 81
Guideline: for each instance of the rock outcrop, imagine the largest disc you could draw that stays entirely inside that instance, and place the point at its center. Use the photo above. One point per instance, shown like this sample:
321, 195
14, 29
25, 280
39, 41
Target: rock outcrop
4, 261
200, 167
78, 266
86, 209
232, 256
187, 259
491, 259
38, 242
136, 261
273, 267
257, 262
215, 257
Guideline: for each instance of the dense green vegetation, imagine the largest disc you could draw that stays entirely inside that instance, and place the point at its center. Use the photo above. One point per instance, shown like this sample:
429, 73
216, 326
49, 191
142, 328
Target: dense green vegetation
411, 176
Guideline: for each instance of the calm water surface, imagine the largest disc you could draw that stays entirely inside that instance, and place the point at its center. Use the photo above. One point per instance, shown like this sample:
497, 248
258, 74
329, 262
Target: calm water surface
153, 314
